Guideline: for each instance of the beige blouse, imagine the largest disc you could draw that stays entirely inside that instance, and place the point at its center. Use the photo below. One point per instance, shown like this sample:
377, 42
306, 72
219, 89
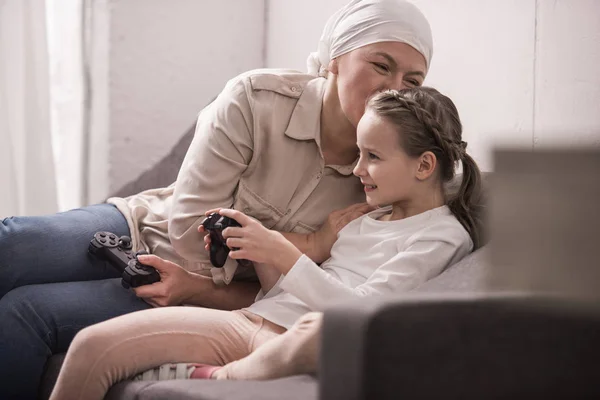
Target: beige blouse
257, 149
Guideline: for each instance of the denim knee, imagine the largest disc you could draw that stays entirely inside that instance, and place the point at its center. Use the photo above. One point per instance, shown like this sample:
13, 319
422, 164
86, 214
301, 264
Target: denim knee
26, 342
20, 316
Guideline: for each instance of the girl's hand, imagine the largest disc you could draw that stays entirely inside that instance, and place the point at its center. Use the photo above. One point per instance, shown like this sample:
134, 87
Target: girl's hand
202, 230
172, 290
325, 237
254, 242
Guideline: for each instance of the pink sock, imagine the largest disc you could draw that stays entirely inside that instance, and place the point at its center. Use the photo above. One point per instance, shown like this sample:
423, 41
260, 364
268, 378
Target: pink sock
203, 371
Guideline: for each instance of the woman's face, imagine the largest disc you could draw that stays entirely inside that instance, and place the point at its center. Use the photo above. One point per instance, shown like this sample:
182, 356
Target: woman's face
374, 68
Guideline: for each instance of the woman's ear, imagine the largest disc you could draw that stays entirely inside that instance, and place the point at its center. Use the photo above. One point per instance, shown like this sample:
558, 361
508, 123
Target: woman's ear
426, 167
333, 66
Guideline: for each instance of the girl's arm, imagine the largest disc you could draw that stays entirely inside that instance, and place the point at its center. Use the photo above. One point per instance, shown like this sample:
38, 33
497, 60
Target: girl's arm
421, 260
424, 257
317, 246
408, 269
267, 276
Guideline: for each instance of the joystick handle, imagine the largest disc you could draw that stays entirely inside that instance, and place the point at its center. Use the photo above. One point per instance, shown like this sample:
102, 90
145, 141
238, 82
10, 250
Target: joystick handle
137, 274
117, 251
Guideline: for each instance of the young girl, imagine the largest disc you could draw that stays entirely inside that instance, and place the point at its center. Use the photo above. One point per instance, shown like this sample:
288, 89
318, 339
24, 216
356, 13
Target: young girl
410, 143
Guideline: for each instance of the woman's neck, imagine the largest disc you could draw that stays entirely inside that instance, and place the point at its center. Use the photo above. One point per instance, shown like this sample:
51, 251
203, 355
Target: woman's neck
338, 135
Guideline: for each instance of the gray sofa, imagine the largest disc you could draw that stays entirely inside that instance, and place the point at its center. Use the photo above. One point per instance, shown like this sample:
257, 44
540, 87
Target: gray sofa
448, 338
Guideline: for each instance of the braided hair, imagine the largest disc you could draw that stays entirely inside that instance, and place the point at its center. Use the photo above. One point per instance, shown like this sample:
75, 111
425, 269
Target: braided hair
429, 121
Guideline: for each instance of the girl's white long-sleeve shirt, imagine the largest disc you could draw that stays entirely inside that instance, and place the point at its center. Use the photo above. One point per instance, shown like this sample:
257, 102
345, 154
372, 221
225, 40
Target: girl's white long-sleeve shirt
369, 258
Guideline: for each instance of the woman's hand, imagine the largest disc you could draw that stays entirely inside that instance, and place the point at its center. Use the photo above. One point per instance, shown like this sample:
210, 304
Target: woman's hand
173, 288
325, 237
254, 242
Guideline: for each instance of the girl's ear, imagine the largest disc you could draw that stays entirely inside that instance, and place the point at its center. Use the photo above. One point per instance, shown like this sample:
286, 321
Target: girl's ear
333, 66
426, 167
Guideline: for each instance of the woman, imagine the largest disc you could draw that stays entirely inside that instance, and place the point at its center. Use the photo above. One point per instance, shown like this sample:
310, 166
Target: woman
277, 145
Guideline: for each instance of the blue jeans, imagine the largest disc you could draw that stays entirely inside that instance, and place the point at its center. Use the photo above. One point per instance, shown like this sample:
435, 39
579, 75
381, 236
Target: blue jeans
50, 288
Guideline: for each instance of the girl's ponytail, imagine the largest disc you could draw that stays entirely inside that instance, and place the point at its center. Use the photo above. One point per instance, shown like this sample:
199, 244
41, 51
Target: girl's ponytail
467, 204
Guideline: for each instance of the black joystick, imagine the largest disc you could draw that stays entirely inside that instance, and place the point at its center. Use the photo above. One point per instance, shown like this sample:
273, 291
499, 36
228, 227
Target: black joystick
215, 224
117, 251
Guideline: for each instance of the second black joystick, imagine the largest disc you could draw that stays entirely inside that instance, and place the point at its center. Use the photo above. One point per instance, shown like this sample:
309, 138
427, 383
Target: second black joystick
215, 224
117, 251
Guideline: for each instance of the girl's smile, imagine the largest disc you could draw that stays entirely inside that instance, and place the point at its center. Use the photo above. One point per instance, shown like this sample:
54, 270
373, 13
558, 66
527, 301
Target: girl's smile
369, 188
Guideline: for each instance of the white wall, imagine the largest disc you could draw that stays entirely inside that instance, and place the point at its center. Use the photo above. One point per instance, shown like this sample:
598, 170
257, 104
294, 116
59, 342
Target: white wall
483, 60
166, 61
567, 79
519, 71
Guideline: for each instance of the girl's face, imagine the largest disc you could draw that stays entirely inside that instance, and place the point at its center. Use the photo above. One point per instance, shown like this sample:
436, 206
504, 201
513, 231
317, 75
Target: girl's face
375, 68
386, 171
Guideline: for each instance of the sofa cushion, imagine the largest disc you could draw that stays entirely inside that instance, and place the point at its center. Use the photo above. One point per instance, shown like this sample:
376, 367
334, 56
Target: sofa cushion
301, 387
468, 275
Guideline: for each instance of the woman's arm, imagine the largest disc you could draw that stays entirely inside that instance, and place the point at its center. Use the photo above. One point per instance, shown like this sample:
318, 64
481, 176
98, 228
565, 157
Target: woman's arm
178, 286
219, 153
234, 296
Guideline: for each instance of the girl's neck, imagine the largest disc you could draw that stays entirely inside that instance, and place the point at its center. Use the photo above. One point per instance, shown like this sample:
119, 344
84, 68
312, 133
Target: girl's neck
428, 200
338, 135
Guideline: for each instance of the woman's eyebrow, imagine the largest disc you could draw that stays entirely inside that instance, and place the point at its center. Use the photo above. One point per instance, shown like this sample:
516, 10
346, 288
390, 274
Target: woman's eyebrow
389, 58
419, 73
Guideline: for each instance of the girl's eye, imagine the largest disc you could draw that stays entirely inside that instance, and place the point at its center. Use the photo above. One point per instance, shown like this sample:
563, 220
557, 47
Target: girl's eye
373, 156
382, 67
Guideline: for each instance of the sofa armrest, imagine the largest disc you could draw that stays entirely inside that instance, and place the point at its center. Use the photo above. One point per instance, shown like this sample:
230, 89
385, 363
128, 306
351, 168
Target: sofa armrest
459, 346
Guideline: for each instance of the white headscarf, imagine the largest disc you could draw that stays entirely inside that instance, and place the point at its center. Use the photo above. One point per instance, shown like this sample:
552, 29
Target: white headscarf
363, 22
